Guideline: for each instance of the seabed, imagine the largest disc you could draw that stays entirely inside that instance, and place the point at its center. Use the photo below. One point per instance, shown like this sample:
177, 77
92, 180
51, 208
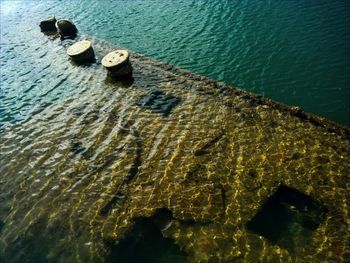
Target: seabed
170, 167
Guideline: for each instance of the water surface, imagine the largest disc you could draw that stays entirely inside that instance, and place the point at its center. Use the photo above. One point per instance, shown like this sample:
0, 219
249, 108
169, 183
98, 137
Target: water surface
93, 170
296, 52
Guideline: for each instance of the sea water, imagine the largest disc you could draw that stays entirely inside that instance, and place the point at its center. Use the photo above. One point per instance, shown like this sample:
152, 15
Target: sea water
296, 52
171, 164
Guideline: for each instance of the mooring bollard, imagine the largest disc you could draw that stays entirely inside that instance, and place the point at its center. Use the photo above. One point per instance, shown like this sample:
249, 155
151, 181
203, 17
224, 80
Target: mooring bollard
117, 64
48, 25
81, 52
66, 28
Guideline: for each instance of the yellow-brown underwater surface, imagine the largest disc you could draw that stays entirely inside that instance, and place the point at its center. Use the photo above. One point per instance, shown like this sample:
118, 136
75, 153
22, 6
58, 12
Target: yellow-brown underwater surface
170, 167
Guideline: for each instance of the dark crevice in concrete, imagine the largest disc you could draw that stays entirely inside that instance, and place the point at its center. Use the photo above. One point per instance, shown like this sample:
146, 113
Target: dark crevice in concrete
288, 218
137, 161
145, 243
204, 149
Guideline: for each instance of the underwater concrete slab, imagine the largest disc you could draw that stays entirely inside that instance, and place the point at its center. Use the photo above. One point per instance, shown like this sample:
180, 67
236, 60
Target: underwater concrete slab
81, 176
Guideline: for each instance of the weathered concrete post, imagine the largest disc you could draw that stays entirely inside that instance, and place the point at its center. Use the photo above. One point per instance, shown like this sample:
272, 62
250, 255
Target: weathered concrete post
48, 25
118, 64
81, 52
66, 28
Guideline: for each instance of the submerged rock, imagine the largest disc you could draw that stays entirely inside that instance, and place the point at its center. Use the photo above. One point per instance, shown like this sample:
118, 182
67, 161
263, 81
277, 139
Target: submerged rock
117, 64
144, 242
48, 25
81, 52
66, 28
288, 218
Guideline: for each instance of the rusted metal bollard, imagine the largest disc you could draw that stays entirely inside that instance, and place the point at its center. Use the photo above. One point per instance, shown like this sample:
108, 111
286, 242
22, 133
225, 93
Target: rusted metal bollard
118, 64
48, 25
81, 52
66, 28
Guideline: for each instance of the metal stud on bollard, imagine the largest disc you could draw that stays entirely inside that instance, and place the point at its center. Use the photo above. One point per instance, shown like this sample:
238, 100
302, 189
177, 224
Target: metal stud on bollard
118, 64
81, 52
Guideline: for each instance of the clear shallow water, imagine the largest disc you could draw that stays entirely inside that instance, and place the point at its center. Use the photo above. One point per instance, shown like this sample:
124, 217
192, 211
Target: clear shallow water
296, 52
96, 171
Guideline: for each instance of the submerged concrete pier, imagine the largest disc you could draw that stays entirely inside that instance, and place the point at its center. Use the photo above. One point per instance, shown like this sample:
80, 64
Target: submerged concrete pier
203, 171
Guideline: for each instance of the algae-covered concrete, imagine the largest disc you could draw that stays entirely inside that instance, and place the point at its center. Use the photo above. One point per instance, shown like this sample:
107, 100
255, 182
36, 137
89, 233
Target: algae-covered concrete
192, 160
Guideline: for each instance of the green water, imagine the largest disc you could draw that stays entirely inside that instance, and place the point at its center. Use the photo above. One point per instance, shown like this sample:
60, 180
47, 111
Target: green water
296, 52
172, 166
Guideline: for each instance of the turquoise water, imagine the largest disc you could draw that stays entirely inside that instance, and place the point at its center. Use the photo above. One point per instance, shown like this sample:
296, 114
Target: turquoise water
296, 52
